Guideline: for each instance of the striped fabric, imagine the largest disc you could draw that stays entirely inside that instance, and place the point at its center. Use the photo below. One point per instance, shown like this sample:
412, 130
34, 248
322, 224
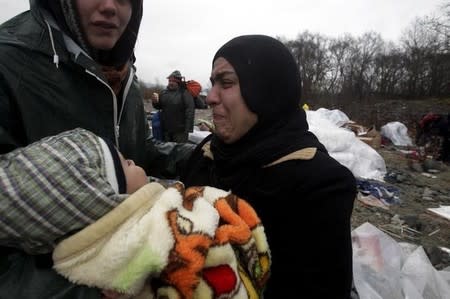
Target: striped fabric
52, 188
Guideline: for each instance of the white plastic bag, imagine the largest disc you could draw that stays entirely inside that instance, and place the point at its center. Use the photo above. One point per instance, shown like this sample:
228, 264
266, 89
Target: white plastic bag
397, 133
343, 145
383, 268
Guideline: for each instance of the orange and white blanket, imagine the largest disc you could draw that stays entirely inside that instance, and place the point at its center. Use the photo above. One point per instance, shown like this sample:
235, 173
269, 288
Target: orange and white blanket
199, 242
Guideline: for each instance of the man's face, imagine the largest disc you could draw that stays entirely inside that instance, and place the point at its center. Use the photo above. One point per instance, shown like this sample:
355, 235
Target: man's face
173, 83
231, 116
104, 21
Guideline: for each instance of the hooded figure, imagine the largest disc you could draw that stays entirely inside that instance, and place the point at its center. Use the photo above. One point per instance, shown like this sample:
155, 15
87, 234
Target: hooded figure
281, 168
67, 16
53, 81
81, 171
114, 62
52, 76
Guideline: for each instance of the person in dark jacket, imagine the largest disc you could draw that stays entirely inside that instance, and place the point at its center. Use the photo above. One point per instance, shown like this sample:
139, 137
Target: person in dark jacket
66, 64
431, 126
177, 109
262, 150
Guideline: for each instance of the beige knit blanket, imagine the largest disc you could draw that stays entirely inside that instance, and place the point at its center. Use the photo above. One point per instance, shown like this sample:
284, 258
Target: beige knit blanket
201, 242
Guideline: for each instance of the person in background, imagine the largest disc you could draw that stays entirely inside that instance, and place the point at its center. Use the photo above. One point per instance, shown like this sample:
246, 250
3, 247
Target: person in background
261, 149
434, 125
177, 109
67, 64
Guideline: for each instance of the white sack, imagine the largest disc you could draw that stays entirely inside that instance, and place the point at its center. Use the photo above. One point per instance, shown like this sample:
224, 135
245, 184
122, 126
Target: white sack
342, 144
397, 133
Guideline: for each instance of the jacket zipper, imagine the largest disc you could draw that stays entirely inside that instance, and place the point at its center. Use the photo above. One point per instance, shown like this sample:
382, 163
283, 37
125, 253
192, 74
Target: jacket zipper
116, 120
126, 90
114, 98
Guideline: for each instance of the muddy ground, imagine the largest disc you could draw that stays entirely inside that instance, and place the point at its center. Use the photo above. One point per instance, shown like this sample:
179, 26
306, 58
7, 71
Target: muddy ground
422, 185
410, 221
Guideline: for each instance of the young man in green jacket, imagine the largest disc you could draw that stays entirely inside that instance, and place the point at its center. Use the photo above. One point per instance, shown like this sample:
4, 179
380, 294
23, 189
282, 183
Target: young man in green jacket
67, 64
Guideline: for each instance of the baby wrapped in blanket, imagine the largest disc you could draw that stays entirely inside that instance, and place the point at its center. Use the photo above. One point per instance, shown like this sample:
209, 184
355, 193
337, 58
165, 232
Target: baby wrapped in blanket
201, 242
74, 194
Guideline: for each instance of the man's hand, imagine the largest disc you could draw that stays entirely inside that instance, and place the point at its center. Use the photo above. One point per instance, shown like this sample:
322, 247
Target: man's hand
155, 97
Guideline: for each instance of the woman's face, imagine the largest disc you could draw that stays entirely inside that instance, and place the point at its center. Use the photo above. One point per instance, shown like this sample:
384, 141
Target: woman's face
104, 21
134, 175
231, 116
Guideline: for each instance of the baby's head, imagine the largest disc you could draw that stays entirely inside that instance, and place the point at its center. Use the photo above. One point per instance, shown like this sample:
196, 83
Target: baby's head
123, 175
77, 173
135, 176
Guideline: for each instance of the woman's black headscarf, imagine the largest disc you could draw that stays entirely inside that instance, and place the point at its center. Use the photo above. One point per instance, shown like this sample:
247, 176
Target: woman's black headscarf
270, 84
66, 15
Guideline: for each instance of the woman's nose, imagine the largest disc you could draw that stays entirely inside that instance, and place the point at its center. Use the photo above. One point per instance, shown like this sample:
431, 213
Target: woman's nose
108, 6
212, 97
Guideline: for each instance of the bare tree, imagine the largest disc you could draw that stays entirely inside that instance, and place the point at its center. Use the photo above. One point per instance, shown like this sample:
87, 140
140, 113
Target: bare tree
310, 51
366, 67
389, 71
427, 58
368, 47
339, 54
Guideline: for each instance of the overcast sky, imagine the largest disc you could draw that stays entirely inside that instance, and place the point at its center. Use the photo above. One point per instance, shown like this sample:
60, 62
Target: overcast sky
185, 35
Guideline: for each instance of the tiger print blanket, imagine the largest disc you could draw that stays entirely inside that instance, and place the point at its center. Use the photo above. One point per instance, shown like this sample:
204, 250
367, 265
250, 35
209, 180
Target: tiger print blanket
173, 242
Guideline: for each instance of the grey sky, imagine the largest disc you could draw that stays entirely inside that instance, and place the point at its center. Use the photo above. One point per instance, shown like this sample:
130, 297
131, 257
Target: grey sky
184, 35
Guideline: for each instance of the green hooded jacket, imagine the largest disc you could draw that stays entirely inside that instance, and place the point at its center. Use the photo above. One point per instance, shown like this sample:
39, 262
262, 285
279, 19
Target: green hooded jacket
48, 85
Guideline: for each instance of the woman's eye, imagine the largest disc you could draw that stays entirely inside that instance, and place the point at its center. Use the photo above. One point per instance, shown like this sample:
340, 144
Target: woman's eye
227, 83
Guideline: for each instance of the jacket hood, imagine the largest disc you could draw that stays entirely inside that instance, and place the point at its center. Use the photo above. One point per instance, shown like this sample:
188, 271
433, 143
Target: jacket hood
122, 52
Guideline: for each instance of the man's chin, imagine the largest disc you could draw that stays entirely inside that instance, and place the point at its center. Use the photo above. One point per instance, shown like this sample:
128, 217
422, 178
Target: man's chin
104, 44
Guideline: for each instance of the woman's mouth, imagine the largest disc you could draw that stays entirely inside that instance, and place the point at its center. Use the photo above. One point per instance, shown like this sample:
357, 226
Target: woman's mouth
104, 25
218, 117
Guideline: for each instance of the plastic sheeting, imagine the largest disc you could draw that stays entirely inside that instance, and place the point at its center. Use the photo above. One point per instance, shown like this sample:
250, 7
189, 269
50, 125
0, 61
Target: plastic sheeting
397, 133
342, 144
442, 211
383, 268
